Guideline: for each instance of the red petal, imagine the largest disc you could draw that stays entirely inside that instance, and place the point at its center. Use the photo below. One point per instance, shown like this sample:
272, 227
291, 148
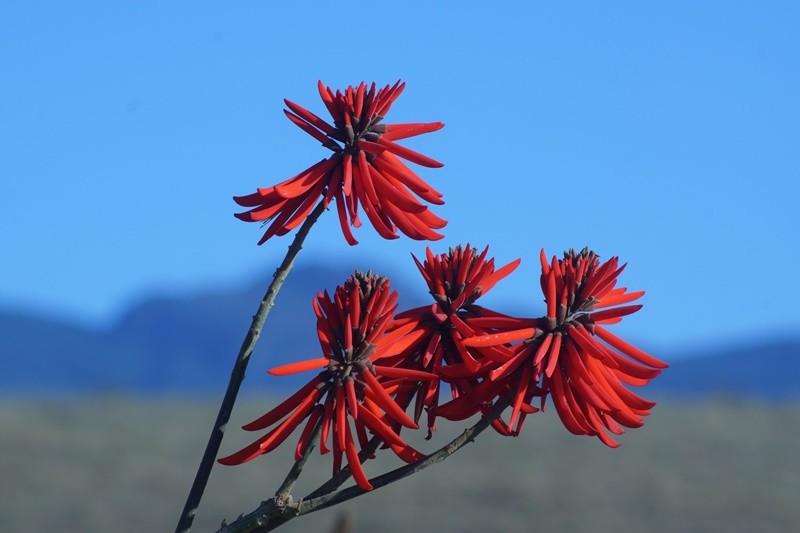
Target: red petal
285, 407
614, 312
499, 274
352, 401
328, 99
305, 208
257, 198
405, 373
380, 428
553, 355
311, 130
616, 299
354, 462
628, 349
370, 147
388, 97
340, 209
500, 338
300, 366
510, 365
303, 182
313, 119
550, 296
316, 412
266, 212
381, 397
340, 419
275, 437
395, 132
399, 196
398, 340
390, 165
519, 396
327, 419
543, 349
407, 153
383, 229
558, 394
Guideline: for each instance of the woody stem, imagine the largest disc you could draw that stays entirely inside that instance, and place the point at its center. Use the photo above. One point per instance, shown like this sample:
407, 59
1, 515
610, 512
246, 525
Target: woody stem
268, 516
238, 372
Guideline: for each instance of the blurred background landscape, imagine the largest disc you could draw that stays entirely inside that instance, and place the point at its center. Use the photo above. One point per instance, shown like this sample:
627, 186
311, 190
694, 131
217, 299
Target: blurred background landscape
663, 133
102, 429
184, 345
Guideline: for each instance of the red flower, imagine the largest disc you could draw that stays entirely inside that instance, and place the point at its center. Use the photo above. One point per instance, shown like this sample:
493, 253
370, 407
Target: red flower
364, 168
356, 392
455, 280
581, 365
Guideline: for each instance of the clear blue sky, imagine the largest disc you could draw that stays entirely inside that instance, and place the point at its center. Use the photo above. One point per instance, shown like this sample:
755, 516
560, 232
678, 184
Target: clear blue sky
667, 133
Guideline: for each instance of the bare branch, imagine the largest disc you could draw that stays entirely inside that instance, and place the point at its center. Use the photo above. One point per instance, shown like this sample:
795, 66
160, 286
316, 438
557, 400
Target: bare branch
237, 374
270, 516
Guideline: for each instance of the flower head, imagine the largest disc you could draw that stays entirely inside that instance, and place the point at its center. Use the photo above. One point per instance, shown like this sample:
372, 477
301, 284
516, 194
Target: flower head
456, 280
571, 356
351, 395
365, 169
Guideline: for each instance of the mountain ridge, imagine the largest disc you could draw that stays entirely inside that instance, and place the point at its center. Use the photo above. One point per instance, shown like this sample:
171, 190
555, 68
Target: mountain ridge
186, 344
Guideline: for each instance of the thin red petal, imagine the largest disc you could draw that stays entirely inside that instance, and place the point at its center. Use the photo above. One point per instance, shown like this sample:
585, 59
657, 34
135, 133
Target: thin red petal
299, 366
395, 132
629, 349
285, 407
500, 338
355, 464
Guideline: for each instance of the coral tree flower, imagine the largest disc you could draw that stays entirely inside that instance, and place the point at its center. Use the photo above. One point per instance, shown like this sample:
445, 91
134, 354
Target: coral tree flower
352, 395
579, 363
365, 169
456, 280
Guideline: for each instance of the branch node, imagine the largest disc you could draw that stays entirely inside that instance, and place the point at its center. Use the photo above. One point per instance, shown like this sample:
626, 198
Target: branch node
295, 506
282, 500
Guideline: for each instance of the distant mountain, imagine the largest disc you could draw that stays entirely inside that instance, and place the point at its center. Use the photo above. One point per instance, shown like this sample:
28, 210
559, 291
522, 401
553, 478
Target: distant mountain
187, 345
163, 345
765, 368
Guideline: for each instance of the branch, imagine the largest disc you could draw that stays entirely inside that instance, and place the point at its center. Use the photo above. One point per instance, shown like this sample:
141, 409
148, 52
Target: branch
277, 506
269, 516
237, 374
344, 474
310, 505
284, 491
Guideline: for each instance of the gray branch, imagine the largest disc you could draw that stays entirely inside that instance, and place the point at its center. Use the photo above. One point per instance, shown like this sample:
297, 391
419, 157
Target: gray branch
237, 374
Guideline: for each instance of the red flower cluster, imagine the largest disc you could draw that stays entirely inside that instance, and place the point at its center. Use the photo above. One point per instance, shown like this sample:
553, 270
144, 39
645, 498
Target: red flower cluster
365, 168
351, 327
569, 355
456, 280
376, 364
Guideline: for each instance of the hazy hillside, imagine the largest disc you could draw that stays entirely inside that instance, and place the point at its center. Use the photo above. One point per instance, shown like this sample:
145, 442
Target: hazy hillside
176, 344
764, 368
187, 344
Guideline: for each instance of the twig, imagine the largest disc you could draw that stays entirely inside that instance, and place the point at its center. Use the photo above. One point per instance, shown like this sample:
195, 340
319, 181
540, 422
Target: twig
275, 506
344, 474
270, 516
309, 505
237, 374
275, 510
282, 495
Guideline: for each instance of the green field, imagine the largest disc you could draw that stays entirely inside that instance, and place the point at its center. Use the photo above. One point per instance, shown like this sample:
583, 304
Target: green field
118, 465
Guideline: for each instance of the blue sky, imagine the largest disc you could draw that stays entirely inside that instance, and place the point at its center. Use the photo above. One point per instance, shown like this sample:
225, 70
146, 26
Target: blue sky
666, 133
